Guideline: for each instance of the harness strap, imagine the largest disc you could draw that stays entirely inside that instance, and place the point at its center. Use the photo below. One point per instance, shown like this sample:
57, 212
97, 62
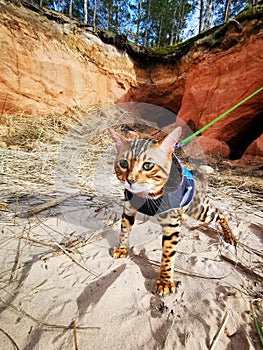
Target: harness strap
189, 138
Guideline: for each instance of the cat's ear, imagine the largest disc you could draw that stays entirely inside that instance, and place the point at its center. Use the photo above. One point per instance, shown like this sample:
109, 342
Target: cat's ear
118, 139
168, 143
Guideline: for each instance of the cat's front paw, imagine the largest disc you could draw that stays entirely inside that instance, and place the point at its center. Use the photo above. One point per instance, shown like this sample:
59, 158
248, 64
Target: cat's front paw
164, 287
119, 252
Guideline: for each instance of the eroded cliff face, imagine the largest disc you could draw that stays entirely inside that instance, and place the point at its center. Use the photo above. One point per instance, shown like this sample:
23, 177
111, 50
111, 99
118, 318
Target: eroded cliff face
206, 82
46, 66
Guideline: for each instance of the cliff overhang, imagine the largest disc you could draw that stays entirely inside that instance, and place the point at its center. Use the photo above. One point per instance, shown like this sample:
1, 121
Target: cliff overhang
50, 62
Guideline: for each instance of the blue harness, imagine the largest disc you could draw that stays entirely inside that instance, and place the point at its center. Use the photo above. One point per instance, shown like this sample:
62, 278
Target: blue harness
176, 194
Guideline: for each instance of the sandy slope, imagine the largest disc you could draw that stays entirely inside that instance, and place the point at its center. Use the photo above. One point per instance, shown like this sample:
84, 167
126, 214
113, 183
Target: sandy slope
41, 299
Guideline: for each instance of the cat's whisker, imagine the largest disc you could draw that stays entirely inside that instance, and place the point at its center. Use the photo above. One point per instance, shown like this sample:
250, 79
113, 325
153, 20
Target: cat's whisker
150, 204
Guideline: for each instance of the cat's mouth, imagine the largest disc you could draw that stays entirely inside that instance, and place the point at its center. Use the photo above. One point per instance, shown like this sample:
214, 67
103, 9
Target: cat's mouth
138, 188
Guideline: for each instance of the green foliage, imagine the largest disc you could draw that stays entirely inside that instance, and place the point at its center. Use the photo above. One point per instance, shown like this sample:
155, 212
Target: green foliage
257, 323
150, 23
163, 21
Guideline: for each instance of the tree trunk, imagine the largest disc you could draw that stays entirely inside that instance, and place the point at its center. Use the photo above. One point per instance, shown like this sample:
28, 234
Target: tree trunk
227, 7
117, 12
85, 8
180, 20
110, 17
160, 33
70, 8
201, 17
94, 15
173, 26
209, 13
138, 22
145, 39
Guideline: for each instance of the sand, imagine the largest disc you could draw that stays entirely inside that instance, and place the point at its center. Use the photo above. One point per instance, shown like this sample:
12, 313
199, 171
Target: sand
112, 301
61, 289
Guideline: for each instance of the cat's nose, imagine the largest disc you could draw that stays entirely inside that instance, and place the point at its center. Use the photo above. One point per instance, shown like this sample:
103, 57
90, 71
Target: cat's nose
131, 181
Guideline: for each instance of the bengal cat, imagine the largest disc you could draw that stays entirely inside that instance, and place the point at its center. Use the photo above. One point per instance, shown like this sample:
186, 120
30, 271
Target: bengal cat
157, 184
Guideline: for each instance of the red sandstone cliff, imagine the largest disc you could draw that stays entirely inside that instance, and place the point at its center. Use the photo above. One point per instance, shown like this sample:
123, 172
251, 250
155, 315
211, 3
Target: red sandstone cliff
46, 66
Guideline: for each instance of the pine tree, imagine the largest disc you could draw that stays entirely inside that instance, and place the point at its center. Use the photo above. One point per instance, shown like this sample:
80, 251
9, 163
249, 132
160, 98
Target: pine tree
148, 22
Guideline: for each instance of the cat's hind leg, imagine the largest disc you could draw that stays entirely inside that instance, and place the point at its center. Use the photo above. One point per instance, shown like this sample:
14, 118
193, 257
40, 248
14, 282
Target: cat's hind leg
203, 210
227, 234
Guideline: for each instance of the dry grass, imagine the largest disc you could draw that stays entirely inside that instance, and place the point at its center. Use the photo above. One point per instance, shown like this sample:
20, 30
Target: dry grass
29, 133
27, 162
77, 147
33, 147
242, 175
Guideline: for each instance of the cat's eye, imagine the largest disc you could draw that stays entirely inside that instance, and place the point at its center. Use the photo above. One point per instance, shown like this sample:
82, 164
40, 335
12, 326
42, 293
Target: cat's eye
148, 166
123, 164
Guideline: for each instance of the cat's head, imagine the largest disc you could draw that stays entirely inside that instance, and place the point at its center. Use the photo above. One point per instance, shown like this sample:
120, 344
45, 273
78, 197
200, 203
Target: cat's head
142, 164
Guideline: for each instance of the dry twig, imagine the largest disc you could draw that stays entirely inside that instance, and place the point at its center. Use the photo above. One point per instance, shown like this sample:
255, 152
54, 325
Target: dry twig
219, 331
242, 267
39, 208
10, 338
75, 260
75, 335
44, 324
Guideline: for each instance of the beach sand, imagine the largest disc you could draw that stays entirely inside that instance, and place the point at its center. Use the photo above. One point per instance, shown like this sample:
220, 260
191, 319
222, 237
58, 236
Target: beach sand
111, 302
61, 289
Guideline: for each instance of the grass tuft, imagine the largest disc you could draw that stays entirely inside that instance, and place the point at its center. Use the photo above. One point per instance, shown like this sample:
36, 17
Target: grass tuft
257, 323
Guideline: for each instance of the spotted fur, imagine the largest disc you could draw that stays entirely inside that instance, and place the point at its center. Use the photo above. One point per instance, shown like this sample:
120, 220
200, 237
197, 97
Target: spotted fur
143, 165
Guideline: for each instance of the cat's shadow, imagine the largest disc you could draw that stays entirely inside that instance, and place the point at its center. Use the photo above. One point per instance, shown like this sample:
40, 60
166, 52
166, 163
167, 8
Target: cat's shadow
148, 272
157, 305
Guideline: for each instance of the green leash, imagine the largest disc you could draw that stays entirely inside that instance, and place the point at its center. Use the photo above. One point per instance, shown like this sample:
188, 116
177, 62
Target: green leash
189, 138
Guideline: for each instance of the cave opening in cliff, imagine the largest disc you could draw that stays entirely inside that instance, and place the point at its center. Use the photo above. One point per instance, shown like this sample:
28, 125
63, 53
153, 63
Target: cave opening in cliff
246, 135
167, 117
